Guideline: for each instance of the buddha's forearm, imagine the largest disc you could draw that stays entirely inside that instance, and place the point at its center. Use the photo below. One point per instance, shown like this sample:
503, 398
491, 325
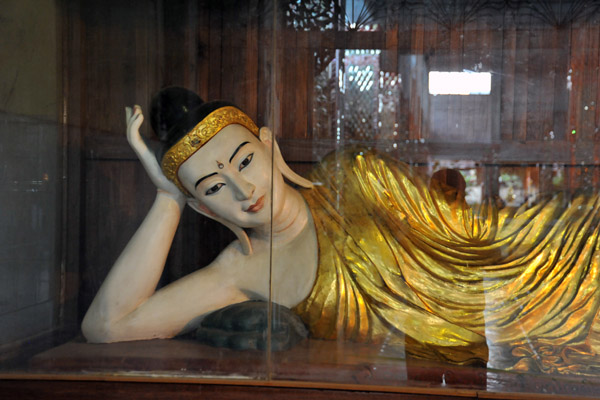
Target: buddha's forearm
135, 274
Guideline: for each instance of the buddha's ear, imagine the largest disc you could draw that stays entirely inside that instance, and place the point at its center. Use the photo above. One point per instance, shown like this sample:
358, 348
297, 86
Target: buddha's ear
239, 232
266, 136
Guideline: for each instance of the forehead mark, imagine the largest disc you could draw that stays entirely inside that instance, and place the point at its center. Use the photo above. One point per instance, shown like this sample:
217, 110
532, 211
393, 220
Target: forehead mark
220, 165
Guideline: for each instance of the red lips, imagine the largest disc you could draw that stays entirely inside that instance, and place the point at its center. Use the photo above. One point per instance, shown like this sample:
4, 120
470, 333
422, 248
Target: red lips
256, 207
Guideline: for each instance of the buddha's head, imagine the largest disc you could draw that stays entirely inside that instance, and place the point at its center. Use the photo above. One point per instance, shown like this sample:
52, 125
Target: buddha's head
219, 159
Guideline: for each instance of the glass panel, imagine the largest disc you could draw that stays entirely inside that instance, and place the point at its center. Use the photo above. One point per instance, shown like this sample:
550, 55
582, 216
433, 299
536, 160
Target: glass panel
431, 224
447, 147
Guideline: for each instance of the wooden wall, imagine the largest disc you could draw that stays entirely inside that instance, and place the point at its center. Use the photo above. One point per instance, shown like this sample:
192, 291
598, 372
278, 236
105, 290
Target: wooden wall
543, 109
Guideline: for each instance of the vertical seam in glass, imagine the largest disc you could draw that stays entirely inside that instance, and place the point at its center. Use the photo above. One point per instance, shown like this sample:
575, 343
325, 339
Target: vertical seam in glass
273, 99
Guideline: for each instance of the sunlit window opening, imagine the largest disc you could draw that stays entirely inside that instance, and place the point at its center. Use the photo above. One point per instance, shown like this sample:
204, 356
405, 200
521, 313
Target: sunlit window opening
460, 83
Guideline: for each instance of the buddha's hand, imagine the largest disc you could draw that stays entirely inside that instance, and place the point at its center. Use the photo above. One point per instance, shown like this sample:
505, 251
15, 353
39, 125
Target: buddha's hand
244, 326
134, 119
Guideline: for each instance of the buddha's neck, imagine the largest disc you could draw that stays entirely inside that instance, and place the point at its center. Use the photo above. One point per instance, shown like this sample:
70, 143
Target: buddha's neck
288, 221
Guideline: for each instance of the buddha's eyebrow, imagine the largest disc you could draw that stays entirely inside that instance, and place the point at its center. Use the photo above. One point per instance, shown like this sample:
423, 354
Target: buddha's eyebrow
214, 173
236, 151
203, 178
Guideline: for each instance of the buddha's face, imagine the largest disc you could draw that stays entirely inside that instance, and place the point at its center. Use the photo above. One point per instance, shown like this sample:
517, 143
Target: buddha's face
230, 177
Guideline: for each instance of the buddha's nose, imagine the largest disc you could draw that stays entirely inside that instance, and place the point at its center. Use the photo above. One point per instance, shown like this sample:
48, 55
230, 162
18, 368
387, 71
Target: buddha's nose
242, 188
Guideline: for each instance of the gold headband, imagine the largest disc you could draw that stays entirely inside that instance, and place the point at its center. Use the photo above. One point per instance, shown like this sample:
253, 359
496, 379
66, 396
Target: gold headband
197, 137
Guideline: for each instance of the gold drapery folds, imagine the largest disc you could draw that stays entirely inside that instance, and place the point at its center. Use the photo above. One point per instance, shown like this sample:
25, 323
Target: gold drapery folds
397, 257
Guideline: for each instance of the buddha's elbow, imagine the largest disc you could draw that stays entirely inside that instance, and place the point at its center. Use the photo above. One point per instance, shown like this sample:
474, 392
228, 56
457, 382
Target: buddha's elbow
96, 330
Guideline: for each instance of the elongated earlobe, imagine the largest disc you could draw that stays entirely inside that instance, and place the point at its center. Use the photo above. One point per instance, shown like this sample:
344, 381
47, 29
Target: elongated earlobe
266, 136
240, 233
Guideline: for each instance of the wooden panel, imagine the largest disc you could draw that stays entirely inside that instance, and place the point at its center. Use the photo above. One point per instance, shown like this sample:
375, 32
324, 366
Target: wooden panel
436, 46
107, 66
509, 84
315, 364
300, 150
67, 390
584, 80
117, 196
174, 57
522, 85
416, 71
516, 153
405, 72
538, 79
560, 53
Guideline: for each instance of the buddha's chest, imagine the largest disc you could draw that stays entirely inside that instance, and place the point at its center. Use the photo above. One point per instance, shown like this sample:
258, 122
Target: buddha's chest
284, 273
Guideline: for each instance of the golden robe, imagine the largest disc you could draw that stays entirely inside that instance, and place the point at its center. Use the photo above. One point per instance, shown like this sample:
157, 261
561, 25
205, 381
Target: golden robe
400, 261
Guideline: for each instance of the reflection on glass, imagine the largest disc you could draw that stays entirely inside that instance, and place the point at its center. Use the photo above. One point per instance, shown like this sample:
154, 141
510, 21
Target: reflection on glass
460, 83
365, 97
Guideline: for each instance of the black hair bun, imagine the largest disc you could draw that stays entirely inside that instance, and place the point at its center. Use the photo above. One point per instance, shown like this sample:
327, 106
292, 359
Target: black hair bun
169, 107
174, 111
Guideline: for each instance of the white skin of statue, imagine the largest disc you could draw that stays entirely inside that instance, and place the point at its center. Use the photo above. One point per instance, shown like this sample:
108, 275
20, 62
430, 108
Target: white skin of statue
230, 180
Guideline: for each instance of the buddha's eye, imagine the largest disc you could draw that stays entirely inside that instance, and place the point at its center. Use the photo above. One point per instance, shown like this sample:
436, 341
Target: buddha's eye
214, 189
246, 161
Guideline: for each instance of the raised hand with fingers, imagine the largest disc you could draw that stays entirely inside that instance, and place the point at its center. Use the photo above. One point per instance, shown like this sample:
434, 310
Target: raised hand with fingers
135, 118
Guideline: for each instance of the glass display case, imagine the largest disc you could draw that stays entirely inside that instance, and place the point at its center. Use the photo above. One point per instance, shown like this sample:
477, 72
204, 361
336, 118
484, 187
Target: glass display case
435, 234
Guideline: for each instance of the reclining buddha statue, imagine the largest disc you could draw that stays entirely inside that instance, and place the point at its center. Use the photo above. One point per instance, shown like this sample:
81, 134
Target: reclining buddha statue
362, 249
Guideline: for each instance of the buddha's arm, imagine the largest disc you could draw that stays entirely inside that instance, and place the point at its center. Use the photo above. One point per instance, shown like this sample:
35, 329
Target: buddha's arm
135, 274
127, 307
